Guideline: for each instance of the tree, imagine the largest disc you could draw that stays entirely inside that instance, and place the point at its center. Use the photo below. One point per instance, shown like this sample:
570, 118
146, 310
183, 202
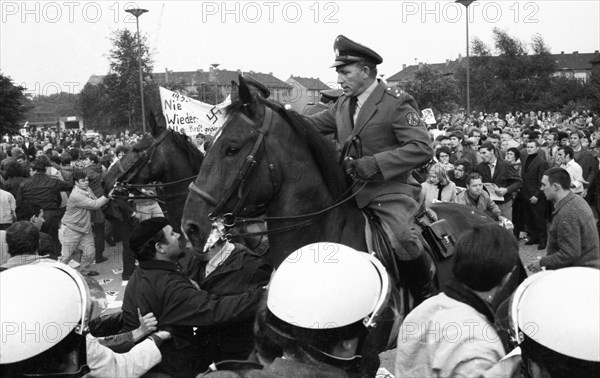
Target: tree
209, 93
511, 80
432, 89
13, 103
54, 106
115, 104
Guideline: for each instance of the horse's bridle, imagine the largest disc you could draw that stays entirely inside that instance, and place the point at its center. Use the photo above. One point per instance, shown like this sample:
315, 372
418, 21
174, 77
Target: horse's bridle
238, 184
230, 219
132, 171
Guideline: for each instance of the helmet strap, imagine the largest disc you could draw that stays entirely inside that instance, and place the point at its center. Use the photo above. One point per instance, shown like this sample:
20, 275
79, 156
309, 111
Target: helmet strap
346, 364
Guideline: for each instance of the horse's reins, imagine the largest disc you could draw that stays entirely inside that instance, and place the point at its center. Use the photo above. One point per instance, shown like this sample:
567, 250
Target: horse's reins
136, 167
230, 219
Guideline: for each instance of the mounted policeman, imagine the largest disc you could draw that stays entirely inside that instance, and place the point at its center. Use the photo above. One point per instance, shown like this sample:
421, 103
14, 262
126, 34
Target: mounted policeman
389, 140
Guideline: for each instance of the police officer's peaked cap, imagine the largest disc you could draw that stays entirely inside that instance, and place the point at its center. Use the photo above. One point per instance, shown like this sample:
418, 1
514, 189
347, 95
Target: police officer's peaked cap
145, 231
347, 51
332, 94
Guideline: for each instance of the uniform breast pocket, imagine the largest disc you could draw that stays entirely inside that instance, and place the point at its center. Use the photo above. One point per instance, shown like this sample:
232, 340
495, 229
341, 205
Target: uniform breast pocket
378, 136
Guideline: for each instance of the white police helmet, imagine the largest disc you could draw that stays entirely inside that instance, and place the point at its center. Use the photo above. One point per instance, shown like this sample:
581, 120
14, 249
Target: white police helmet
560, 310
41, 304
328, 285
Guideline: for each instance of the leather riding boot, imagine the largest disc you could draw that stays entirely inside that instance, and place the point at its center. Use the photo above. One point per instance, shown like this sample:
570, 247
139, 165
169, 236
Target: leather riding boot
418, 277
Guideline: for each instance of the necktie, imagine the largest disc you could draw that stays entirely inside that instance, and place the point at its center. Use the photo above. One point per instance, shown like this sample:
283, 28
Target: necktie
352, 108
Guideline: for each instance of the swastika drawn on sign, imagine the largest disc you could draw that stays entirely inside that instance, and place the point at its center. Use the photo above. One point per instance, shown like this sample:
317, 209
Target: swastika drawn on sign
214, 117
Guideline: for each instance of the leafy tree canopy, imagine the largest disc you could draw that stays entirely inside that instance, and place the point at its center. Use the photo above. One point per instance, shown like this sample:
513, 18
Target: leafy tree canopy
115, 103
14, 105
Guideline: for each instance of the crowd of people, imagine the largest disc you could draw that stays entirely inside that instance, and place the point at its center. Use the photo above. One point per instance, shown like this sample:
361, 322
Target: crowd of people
227, 313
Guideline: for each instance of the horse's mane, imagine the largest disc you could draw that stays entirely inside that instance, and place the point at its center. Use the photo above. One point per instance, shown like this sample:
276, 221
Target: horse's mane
320, 148
194, 154
184, 141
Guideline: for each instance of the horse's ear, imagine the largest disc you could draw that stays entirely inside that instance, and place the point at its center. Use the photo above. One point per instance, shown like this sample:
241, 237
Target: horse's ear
155, 128
235, 94
244, 91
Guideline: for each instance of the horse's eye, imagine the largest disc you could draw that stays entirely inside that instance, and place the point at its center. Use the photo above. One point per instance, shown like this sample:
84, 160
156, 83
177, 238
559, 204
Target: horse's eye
231, 151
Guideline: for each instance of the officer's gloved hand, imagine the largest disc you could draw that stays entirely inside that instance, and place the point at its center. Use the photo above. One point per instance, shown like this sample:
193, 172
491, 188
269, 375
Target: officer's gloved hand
363, 168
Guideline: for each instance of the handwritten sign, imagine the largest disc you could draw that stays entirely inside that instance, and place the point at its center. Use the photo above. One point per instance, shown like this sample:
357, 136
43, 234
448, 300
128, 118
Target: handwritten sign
428, 116
191, 116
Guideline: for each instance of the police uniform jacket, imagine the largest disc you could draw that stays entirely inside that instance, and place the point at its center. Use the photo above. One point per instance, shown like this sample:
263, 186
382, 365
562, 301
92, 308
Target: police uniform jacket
390, 130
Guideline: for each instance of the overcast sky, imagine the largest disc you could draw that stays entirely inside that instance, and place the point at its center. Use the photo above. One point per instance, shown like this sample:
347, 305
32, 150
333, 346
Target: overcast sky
52, 46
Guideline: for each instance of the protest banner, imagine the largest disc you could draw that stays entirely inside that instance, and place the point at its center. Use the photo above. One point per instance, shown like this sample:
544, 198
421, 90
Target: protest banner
189, 116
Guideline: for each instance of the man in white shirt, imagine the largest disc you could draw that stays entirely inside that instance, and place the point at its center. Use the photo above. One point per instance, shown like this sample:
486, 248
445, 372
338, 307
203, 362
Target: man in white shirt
564, 156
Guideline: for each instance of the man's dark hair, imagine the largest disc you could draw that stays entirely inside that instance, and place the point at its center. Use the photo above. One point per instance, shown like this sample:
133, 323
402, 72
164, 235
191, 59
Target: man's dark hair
65, 159
40, 164
537, 144
14, 169
106, 160
92, 156
22, 238
148, 250
78, 174
54, 158
484, 255
473, 176
458, 135
466, 164
494, 136
74, 152
559, 176
562, 135
443, 149
490, 147
568, 151
27, 209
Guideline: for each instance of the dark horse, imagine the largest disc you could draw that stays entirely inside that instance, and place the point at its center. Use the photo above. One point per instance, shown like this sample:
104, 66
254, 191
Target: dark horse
162, 155
271, 160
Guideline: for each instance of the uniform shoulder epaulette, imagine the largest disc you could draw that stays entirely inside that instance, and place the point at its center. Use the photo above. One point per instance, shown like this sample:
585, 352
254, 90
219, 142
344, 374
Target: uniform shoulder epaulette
396, 92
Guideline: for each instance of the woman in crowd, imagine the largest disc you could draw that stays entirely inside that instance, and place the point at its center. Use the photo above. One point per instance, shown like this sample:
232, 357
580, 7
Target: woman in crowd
513, 156
442, 154
438, 187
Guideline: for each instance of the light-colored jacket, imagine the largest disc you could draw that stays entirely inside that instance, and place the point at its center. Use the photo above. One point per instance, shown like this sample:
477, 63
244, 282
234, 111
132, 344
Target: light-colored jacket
483, 203
443, 337
78, 215
103, 362
430, 192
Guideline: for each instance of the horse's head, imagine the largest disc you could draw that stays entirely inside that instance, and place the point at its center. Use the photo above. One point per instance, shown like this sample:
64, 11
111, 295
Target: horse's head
265, 158
239, 174
132, 167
